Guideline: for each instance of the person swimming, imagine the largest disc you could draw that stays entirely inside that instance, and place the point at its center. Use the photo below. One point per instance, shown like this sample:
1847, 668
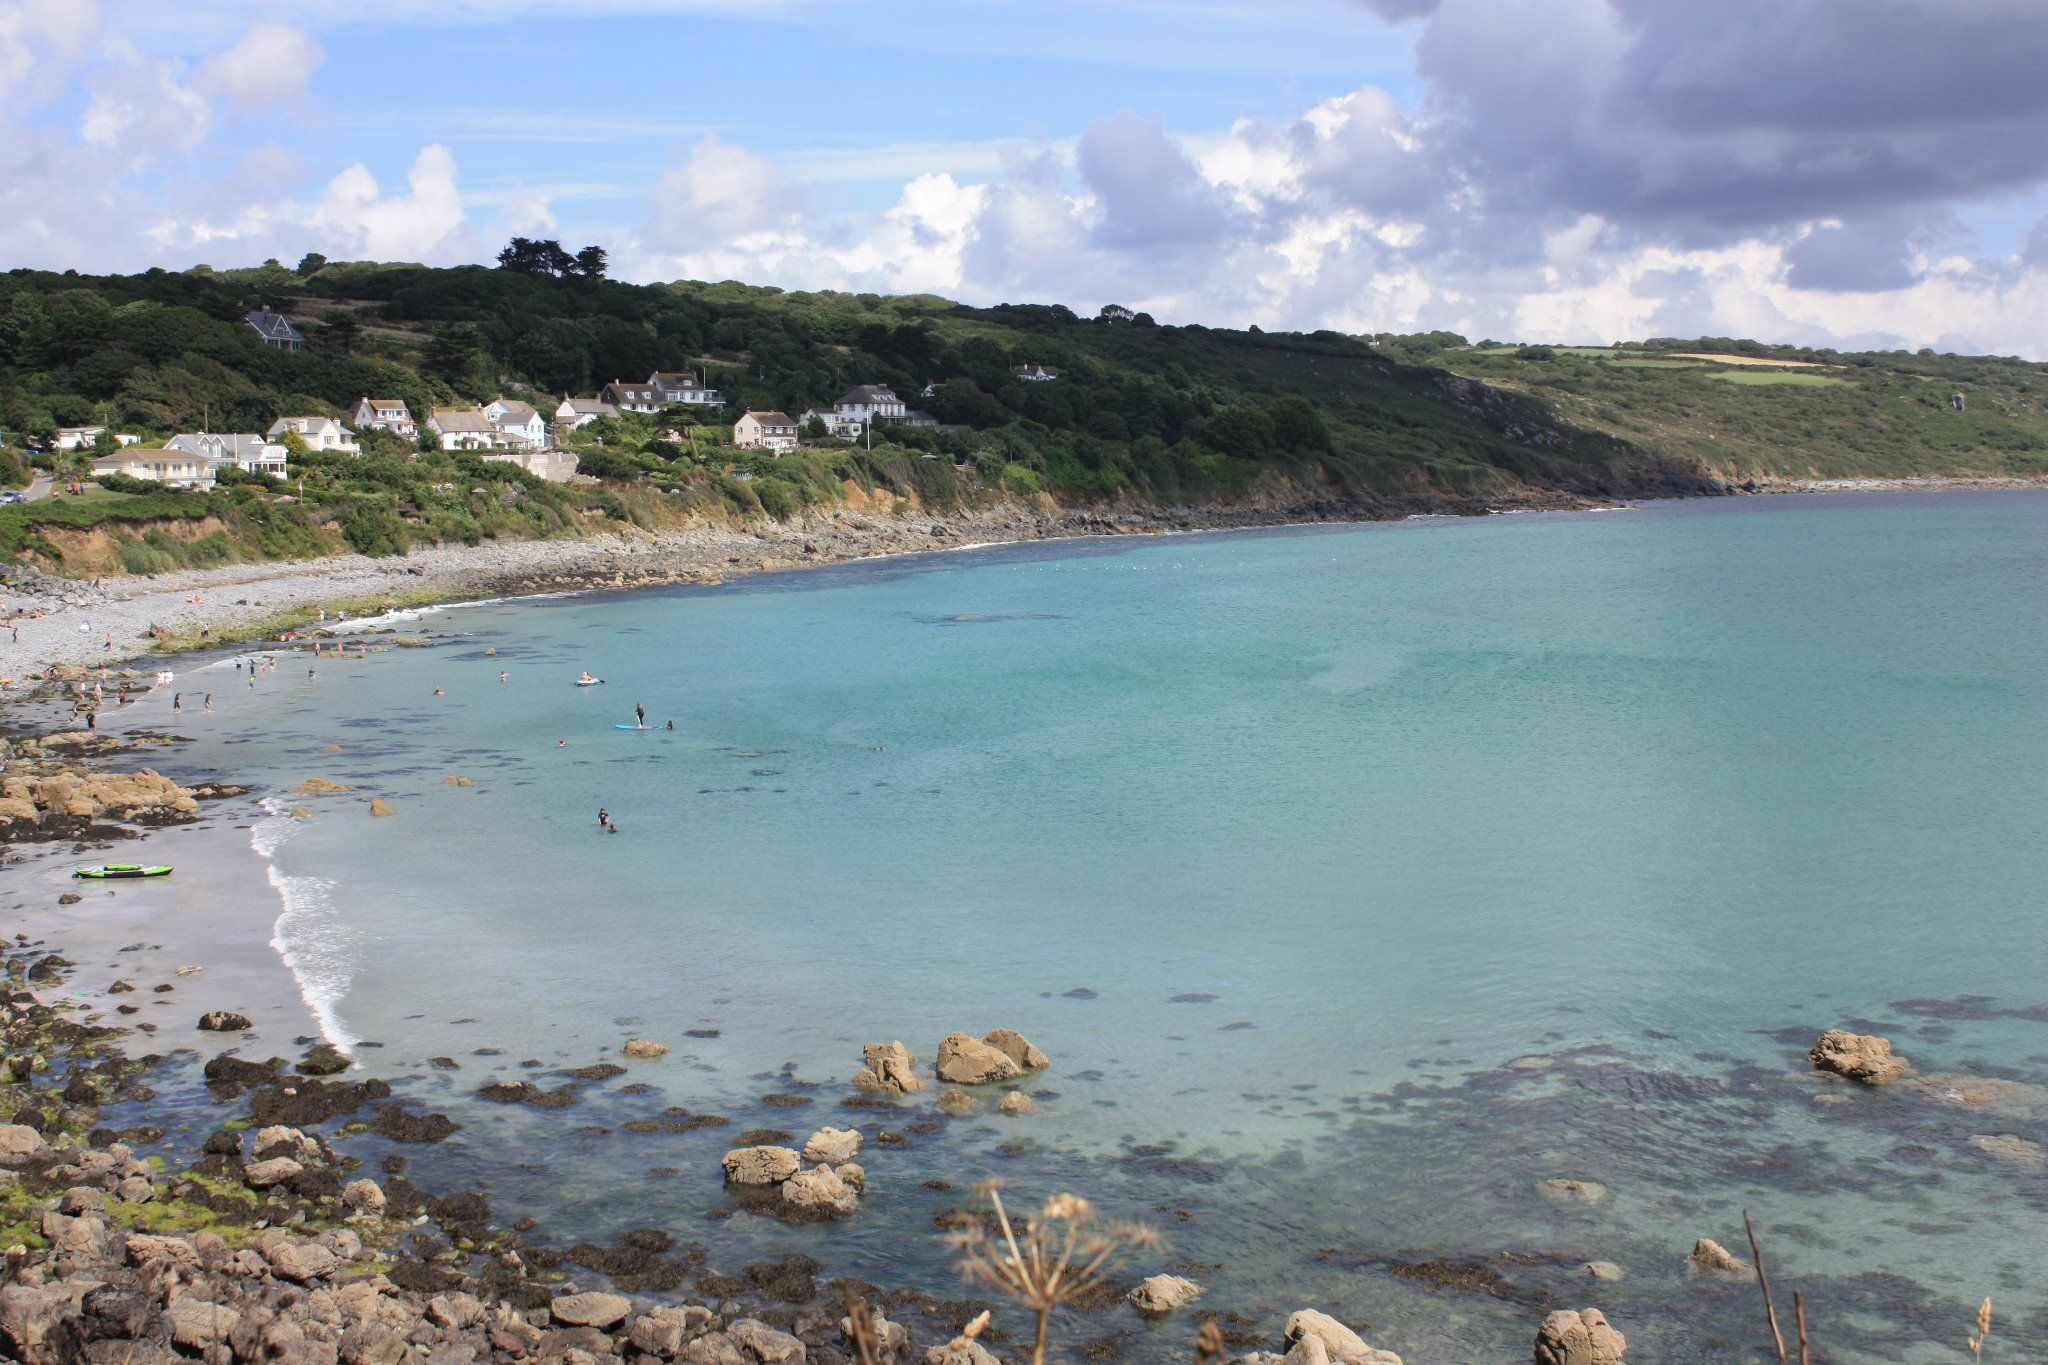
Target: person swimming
670, 726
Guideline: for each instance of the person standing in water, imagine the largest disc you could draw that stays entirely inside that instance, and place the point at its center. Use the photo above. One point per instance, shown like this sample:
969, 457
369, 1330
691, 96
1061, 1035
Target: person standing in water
177, 702
604, 818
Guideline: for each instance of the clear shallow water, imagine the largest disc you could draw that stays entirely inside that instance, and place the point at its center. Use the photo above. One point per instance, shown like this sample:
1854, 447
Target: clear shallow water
1285, 846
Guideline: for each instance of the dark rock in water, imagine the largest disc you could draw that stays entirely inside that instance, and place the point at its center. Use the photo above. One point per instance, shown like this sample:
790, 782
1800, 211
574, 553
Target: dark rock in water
444, 1064
224, 1143
1192, 998
1079, 993
403, 1125
700, 1033
231, 1070
312, 1102
636, 1088
602, 1071
792, 1279
505, 1092
1238, 1027
322, 1061
786, 1101
763, 1137
223, 1021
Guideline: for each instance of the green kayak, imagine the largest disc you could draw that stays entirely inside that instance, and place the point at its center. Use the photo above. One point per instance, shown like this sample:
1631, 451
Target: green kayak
107, 871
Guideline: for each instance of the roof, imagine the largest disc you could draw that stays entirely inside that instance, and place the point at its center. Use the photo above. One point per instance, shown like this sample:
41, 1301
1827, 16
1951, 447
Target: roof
773, 419
240, 445
596, 405
305, 425
273, 326
640, 392
675, 379
398, 403
514, 408
1035, 369
459, 419
869, 393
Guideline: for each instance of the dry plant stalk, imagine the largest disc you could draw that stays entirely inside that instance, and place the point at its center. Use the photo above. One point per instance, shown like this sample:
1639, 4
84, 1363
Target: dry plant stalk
1050, 1260
1209, 1348
1983, 1330
1763, 1281
860, 1328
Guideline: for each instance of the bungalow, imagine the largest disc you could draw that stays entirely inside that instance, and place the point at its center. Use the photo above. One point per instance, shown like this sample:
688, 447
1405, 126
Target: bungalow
319, 433
678, 386
517, 422
581, 412
631, 397
385, 414
275, 331
246, 451
84, 438
177, 468
845, 428
1036, 374
463, 429
774, 431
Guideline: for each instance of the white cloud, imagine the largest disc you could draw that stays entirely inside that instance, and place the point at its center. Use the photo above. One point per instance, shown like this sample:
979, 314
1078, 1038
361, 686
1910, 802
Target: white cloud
271, 63
416, 226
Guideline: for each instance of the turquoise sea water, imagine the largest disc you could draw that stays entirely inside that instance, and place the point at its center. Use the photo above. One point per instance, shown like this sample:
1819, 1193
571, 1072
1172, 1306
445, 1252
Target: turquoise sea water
1355, 878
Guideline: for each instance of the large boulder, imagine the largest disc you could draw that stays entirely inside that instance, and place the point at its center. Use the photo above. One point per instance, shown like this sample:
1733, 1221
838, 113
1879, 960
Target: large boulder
833, 1146
1581, 1338
602, 1311
223, 1021
1312, 1335
302, 1262
1861, 1057
262, 1175
970, 1061
279, 1140
18, 1142
1017, 1048
363, 1196
820, 1192
1164, 1293
761, 1165
889, 1067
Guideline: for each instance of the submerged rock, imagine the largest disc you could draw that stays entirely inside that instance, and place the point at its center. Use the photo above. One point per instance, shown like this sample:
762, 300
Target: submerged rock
379, 806
1572, 1191
1017, 1102
1581, 1338
2010, 1147
644, 1049
1859, 1056
890, 1067
970, 1061
320, 786
1710, 1257
1164, 1293
958, 1103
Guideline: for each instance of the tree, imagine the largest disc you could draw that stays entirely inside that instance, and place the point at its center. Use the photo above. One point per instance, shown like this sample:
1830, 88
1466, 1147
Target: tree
1297, 425
815, 428
311, 262
590, 262
342, 326
532, 256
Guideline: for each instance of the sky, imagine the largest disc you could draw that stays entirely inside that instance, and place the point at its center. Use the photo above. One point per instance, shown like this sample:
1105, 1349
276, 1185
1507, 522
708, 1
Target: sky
1849, 173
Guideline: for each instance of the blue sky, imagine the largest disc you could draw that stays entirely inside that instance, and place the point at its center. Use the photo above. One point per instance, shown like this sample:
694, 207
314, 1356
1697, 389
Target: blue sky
1870, 174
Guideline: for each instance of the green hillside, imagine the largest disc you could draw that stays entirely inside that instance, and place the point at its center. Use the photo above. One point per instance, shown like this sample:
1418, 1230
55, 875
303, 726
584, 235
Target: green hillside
1172, 416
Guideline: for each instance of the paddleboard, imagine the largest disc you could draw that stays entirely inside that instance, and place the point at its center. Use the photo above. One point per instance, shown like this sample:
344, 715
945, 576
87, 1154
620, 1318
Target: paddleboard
623, 726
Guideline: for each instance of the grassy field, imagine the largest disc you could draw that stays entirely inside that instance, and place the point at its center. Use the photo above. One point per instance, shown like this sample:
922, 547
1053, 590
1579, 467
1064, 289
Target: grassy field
1775, 377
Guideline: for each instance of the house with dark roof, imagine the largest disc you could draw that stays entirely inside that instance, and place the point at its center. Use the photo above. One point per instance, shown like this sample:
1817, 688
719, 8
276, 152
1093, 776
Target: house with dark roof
865, 403
631, 397
1035, 374
245, 450
581, 412
680, 386
275, 330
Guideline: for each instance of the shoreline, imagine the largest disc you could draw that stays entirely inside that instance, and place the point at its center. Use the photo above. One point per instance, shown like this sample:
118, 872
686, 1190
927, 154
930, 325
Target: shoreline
126, 619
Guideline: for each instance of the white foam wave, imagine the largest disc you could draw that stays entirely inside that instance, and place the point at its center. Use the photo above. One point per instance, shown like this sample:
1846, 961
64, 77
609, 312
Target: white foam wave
307, 934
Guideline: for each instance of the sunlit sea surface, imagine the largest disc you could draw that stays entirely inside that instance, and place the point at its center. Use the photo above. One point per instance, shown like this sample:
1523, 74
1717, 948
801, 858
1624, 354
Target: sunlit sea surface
1356, 879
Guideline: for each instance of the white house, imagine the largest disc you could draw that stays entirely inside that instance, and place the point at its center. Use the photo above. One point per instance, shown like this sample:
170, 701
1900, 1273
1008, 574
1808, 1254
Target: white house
864, 403
83, 438
386, 414
178, 468
581, 412
678, 386
463, 429
319, 433
1035, 374
517, 422
244, 450
774, 431
632, 397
